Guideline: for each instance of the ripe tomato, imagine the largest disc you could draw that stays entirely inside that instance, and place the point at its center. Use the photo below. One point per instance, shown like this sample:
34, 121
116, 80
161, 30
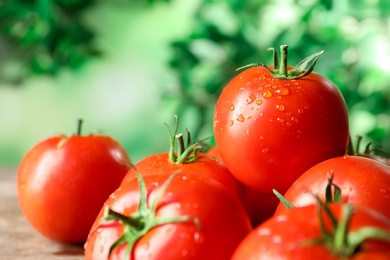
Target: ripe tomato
159, 164
269, 129
63, 182
362, 181
297, 234
197, 163
222, 221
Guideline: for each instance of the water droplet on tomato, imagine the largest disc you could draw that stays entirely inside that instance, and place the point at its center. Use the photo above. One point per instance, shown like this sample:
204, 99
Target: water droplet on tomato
267, 94
261, 137
280, 107
198, 237
232, 107
259, 102
231, 122
282, 91
293, 118
281, 120
260, 88
248, 132
240, 118
265, 150
251, 98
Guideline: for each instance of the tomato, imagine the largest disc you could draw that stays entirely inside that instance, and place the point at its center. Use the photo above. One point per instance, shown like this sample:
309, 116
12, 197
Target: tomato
63, 182
221, 224
362, 181
159, 164
269, 129
297, 234
188, 160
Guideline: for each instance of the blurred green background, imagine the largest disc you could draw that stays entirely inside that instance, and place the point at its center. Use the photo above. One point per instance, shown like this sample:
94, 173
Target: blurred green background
126, 67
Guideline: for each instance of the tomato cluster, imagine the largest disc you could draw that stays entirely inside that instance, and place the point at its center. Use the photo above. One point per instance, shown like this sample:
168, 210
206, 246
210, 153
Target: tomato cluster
278, 130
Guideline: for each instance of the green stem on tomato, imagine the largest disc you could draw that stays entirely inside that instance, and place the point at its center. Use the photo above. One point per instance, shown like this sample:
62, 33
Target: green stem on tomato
281, 71
141, 222
186, 152
79, 124
339, 240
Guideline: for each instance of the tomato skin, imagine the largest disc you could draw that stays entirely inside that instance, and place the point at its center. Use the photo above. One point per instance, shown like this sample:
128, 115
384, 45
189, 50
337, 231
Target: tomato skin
63, 182
260, 206
269, 131
279, 237
158, 164
362, 181
224, 221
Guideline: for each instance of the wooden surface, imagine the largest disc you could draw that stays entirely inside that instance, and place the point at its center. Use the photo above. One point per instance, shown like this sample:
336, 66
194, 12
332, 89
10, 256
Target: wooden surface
18, 240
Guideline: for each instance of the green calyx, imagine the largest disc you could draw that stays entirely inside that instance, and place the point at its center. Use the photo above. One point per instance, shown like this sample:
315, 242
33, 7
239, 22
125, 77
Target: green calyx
280, 69
332, 191
339, 240
137, 225
187, 152
372, 150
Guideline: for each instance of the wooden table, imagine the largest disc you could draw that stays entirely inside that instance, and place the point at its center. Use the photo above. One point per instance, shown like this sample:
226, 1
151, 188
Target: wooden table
18, 240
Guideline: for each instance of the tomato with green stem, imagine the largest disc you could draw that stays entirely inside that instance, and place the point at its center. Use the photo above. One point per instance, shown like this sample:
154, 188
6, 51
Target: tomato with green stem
63, 181
362, 181
177, 216
273, 123
322, 231
188, 158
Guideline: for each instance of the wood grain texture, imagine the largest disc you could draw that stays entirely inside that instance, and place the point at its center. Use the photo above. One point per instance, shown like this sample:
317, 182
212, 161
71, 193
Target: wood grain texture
18, 240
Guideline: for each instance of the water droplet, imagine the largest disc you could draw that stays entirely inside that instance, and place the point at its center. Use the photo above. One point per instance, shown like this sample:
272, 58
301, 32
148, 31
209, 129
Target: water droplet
281, 120
240, 118
280, 107
293, 118
184, 252
267, 94
184, 177
300, 110
231, 122
282, 91
248, 132
279, 97
260, 88
232, 107
261, 137
265, 150
259, 102
248, 117
197, 237
288, 123
277, 239
251, 98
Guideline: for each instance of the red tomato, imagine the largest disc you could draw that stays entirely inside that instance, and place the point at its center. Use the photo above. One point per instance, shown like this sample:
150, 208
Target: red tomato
223, 221
291, 235
362, 181
270, 130
159, 164
63, 182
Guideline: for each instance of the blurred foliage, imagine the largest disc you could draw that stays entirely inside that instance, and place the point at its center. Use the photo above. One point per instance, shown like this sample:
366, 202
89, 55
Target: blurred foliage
48, 35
